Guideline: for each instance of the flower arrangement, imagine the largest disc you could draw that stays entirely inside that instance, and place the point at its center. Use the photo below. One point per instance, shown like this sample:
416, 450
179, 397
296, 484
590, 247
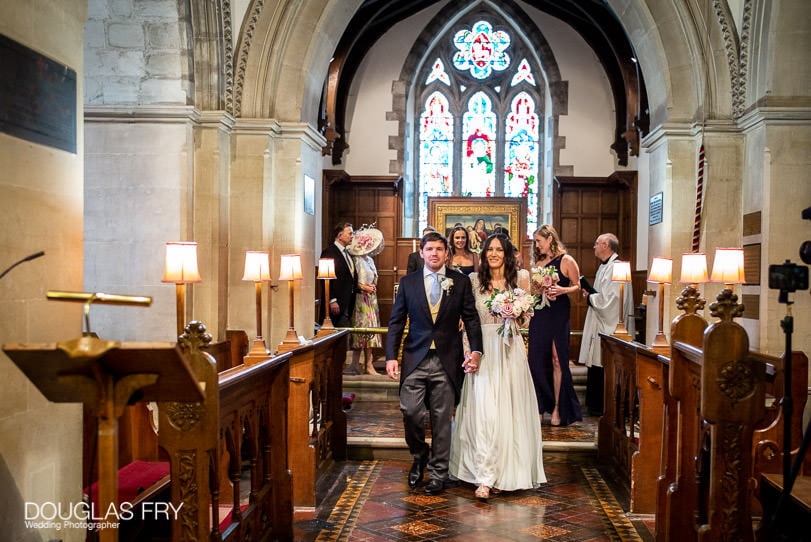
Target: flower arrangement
511, 305
446, 284
542, 279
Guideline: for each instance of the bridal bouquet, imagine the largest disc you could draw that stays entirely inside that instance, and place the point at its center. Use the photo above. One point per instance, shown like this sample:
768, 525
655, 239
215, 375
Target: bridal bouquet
510, 305
542, 279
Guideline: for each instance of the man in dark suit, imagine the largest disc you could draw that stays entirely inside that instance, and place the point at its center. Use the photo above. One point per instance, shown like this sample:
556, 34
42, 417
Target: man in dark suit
434, 361
415, 261
343, 285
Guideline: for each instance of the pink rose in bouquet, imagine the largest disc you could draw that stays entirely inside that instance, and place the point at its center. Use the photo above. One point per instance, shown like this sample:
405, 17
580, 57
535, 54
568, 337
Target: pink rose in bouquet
511, 305
543, 278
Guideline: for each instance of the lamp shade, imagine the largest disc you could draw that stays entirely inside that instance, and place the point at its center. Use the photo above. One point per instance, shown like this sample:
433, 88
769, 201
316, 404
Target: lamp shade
694, 268
291, 267
180, 265
728, 266
661, 271
622, 272
326, 268
257, 266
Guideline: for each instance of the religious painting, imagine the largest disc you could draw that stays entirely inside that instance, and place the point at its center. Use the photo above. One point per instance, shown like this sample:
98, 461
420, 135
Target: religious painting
480, 216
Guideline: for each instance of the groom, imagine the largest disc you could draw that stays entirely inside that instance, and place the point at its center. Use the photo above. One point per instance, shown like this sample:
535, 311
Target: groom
434, 363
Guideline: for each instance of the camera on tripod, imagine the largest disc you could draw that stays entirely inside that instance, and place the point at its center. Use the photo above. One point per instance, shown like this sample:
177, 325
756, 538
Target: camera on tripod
789, 277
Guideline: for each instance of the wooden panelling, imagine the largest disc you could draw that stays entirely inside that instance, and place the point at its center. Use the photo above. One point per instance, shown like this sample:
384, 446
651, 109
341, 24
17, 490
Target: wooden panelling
751, 306
751, 263
584, 208
366, 200
751, 223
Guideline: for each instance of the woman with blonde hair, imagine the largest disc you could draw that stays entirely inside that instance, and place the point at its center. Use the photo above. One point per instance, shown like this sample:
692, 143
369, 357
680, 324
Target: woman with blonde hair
555, 275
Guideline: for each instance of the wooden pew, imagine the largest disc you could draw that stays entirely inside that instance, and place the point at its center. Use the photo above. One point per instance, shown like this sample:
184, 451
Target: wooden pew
693, 503
630, 430
316, 420
676, 489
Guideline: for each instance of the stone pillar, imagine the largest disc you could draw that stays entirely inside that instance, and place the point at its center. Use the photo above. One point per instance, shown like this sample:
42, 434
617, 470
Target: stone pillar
295, 151
673, 160
250, 143
139, 194
210, 220
777, 182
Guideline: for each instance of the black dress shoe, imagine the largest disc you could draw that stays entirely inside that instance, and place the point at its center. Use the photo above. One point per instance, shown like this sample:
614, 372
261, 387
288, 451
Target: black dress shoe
415, 474
433, 487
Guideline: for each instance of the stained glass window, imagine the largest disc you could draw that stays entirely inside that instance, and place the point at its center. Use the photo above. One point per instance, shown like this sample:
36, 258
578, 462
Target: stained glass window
523, 73
481, 50
521, 154
478, 157
477, 136
436, 152
438, 73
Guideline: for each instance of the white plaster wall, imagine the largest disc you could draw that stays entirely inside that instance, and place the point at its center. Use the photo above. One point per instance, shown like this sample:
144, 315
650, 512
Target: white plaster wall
367, 129
589, 125
40, 209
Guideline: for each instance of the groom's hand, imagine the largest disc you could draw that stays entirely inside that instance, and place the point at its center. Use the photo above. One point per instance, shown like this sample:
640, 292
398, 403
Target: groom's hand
393, 369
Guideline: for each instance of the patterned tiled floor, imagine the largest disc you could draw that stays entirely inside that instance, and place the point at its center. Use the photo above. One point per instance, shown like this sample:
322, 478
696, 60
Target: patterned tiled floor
377, 505
371, 502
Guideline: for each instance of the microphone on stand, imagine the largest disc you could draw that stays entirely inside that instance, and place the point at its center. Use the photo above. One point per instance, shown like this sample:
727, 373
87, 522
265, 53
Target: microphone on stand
26, 259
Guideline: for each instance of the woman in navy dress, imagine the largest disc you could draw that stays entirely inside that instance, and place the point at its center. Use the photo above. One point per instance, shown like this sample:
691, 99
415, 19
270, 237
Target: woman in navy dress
460, 257
549, 331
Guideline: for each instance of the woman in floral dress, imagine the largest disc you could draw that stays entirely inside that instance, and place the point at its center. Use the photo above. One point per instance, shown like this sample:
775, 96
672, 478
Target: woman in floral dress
366, 243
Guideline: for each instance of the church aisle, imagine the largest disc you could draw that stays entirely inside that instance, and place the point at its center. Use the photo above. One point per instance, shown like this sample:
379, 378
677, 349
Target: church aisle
374, 503
371, 501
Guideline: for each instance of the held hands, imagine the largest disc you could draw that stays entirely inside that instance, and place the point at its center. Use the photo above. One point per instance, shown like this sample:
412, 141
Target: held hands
471, 363
393, 369
368, 288
334, 308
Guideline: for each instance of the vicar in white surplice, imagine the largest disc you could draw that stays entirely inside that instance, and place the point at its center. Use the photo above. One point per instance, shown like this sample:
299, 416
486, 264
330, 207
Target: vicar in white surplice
602, 317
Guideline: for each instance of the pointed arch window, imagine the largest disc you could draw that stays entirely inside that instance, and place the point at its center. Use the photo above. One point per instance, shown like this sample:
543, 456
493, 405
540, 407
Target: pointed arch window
435, 150
480, 129
521, 153
478, 158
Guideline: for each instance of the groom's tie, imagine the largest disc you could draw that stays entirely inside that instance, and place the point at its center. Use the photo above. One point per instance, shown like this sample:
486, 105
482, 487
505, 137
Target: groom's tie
435, 291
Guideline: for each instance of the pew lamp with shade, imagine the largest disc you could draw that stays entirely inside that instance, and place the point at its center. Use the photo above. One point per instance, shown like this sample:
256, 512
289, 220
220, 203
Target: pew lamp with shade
728, 267
694, 269
693, 273
290, 270
326, 272
180, 267
622, 274
257, 270
661, 272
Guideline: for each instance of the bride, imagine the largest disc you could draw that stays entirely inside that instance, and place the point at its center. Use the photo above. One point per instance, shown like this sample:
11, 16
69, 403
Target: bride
496, 442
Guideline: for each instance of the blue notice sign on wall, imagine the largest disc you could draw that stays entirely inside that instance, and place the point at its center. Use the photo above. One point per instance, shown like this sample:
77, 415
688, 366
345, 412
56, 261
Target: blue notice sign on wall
656, 205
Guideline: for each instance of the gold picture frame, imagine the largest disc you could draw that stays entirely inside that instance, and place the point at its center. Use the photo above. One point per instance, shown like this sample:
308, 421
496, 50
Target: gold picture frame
511, 213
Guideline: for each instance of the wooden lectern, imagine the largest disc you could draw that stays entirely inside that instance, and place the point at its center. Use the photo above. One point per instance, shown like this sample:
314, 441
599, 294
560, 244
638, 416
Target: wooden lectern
107, 376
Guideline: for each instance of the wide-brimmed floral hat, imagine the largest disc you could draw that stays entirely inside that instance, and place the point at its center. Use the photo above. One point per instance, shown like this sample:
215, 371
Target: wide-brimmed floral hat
367, 241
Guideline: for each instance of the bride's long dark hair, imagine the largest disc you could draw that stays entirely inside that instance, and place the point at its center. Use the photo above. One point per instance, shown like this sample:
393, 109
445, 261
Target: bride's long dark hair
510, 263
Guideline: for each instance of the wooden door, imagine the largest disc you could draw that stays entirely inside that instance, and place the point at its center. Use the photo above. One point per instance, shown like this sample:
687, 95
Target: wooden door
366, 200
584, 208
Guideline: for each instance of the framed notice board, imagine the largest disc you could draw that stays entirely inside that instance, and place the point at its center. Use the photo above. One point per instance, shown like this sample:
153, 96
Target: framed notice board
37, 97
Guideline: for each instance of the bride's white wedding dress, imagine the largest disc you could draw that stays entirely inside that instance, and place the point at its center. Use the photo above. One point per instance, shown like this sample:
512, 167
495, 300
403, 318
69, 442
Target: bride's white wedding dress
496, 438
